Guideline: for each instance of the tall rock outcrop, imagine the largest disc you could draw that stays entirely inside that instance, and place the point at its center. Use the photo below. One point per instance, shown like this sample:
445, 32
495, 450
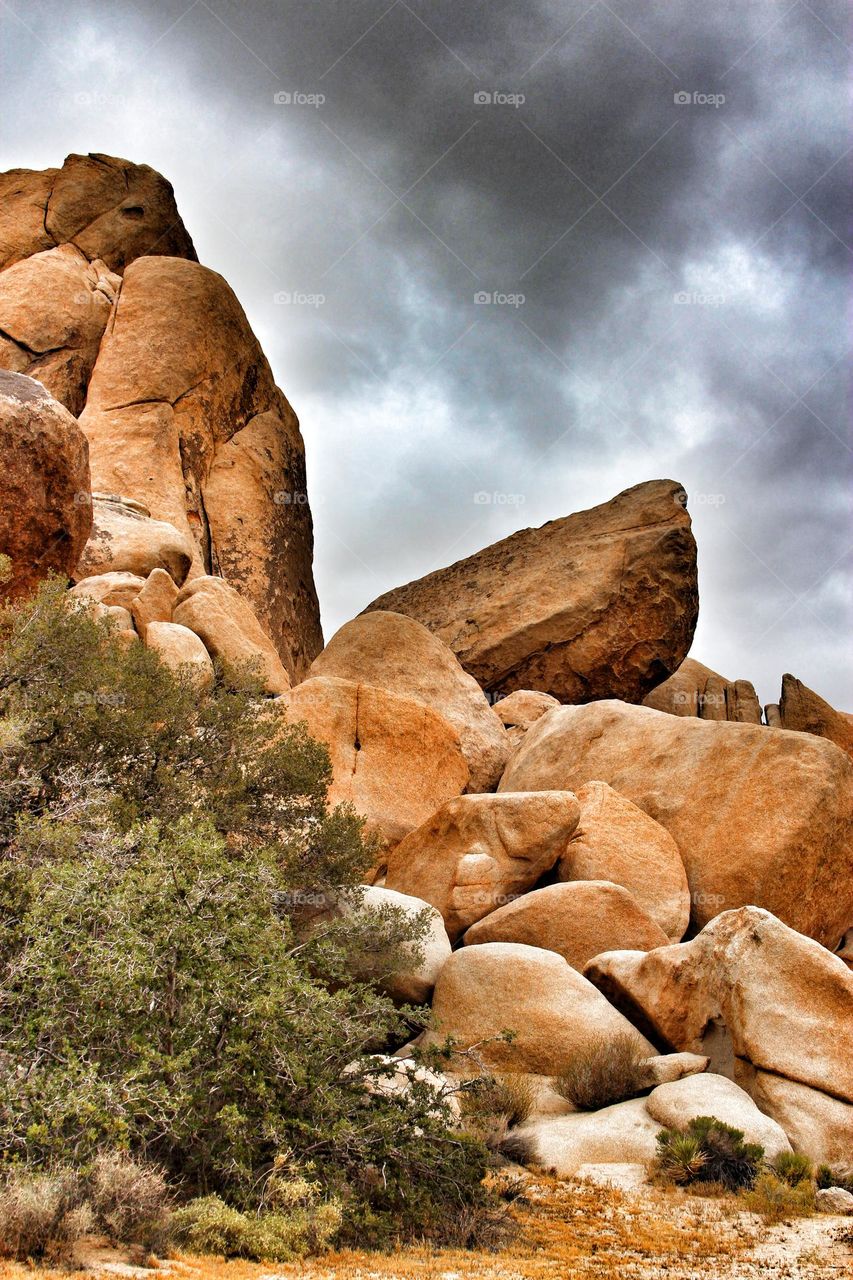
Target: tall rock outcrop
599, 604
103, 301
805, 711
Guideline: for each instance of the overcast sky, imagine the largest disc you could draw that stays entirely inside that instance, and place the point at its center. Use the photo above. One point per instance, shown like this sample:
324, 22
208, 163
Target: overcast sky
652, 193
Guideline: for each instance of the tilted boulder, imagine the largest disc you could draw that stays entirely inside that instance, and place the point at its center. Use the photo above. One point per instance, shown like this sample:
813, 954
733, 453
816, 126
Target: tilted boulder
54, 308
759, 815
504, 986
599, 604
615, 1135
770, 1007
155, 601
107, 207
803, 710
181, 650
477, 852
616, 841
46, 513
578, 921
394, 759
183, 415
393, 652
224, 621
124, 539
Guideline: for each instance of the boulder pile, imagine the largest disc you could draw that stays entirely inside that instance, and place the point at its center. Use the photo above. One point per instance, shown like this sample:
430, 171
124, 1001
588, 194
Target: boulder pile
674, 877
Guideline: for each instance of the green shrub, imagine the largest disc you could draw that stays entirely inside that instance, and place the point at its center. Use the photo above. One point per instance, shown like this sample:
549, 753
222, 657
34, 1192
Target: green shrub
708, 1151
777, 1199
793, 1168
155, 848
605, 1071
209, 1225
826, 1177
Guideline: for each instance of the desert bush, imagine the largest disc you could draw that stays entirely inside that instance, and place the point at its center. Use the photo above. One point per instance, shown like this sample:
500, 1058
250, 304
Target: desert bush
708, 1151
42, 1215
492, 1106
129, 1200
777, 1199
607, 1070
155, 847
826, 1177
208, 1225
793, 1168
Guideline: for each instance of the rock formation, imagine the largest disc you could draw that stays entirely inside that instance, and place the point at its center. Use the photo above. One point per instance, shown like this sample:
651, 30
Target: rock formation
600, 604
803, 710
46, 512
760, 816
696, 690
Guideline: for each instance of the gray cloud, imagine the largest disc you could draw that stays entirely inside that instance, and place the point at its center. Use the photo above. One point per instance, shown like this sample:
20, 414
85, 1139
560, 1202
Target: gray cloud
682, 266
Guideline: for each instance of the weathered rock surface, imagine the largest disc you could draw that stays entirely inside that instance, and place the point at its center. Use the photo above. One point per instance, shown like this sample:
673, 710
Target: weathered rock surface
762, 1001
664, 1068
224, 621
578, 921
155, 601
394, 759
180, 649
623, 1133
834, 1200
599, 604
696, 690
54, 308
109, 589
477, 852
760, 816
674, 1105
505, 986
615, 840
803, 710
396, 653
519, 710
46, 513
183, 415
106, 207
819, 1126
124, 539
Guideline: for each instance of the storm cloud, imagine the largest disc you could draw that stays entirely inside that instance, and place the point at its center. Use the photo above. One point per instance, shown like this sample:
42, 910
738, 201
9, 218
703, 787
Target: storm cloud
507, 259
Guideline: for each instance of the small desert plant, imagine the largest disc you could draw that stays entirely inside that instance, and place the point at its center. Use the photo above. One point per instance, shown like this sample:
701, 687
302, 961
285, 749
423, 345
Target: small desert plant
708, 1151
827, 1177
492, 1106
776, 1198
130, 1200
42, 1215
607, 1070
793, 1168
208, 1225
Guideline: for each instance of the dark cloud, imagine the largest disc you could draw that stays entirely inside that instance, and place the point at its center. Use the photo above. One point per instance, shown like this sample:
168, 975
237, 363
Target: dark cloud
682, 265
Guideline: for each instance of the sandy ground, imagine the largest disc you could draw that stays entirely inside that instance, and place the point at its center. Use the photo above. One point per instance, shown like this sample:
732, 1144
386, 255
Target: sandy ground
568, 1230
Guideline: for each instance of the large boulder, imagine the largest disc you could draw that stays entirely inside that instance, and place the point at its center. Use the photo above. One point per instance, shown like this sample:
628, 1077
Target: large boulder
109, 589
396, 653
763, 1002
46, 513
803, 710
675, 1104
109, 208
477, 852
578, 921
696, 690
394, 759
505, 986
229, 629
615, 1135
124, 539
600, 604
181, 650
615, 840
759, 815
54, 308
183, 415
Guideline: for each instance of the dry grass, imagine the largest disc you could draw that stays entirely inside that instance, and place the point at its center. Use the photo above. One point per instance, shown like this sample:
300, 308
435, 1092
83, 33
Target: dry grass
607, 1070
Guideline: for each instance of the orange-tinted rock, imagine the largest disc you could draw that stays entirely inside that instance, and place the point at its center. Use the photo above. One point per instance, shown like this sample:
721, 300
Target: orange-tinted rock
696, 690
181, 650
183, 415
155, 601
599, 604
124, 539
480, 851
394, 759
46, 513
760, 816
578, 921
224, 621
803, 710
396, 653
